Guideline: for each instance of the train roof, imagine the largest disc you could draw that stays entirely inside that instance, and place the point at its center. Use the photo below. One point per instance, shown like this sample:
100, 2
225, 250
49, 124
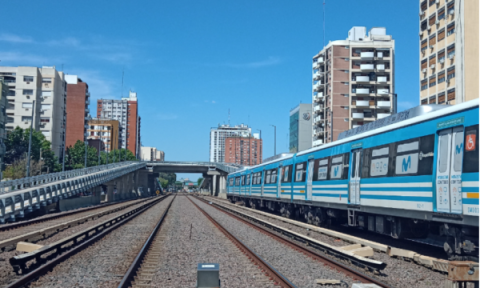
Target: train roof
409, 121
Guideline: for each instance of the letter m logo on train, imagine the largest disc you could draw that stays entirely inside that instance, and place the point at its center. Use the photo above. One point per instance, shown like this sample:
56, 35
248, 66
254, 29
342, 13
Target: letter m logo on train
406, 164
335, 171
459, 148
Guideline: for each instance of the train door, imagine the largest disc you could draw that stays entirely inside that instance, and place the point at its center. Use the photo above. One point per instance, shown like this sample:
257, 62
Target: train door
262, 181
354, 195
310, 179
449, 170
279, 181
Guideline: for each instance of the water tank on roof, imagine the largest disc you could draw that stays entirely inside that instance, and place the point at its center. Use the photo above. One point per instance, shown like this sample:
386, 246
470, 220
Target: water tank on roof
357, 33
378, 31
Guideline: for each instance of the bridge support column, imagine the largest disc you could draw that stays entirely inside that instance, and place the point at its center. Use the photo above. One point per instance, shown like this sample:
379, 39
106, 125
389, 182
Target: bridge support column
223, 184
110, 197
214, 185
123, 186
143, 182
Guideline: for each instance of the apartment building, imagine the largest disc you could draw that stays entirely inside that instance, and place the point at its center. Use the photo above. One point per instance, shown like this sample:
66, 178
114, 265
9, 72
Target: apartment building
353, 83
78, 113
152, 154
300, 128
218, 136
448, 51
107, 130
4, 89
126, 112
47, 87
245, 151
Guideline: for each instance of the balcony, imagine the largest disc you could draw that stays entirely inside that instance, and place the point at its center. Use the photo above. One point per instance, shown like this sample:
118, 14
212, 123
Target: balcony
317, 119
316, 108
366, 55
317, 86
380, 67
317, 75
317, 142
318, 131
357, 115
362, 78
379, 55
87, 102
382, 91
362, 103
364, 91
318, 62
382, 115
382, 79
366, 67
383, 104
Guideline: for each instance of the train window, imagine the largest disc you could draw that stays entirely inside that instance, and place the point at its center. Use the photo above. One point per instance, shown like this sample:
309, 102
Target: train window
243, 180
415, 156
379, 161
287, 174
237, 181
321, 169
249, 176
268, 173
300, 172
425, 160
458, 154
274, 176
336, 168
470, 151
259, 178
231, 182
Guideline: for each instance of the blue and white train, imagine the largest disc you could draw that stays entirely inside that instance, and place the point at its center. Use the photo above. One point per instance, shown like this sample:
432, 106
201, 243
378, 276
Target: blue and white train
408, 179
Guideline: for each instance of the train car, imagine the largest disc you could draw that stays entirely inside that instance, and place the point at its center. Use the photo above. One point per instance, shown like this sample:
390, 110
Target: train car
408, 179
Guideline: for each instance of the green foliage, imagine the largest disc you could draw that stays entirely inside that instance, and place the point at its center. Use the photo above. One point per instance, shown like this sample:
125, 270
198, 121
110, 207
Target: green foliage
75, 156
117, 156
167, 179
199, 180
163, 182
16, 146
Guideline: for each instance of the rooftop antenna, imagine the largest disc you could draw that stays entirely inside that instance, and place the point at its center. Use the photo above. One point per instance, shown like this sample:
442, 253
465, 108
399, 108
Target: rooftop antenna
123, 72
323, 23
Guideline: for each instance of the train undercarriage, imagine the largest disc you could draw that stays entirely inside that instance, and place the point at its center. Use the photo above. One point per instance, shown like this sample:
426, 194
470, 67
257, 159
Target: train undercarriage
460, 242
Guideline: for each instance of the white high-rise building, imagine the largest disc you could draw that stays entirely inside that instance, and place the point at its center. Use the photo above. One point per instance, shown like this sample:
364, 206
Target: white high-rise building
217, 139
47, 87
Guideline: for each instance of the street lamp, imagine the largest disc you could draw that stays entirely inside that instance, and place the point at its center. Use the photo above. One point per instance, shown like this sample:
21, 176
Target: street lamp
30, 140
274, 140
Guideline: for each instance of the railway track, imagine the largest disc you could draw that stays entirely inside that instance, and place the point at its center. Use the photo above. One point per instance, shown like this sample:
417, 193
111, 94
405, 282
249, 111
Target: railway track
34, 265
295, 241
142, 271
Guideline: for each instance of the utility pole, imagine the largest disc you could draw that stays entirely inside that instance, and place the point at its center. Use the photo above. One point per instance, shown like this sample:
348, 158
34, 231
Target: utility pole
99, 152
274, 140
30, 140
64, 140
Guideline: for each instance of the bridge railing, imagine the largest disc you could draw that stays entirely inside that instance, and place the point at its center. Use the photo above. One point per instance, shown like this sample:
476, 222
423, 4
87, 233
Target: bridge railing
227, 167
17, 184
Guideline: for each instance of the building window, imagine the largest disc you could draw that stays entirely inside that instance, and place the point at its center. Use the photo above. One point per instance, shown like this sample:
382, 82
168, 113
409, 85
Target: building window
451, 51
44, 120
451, 8
433, 81
424, 45
424, 101
432, 100
431, 20
441, 14
441, 98
27, 105
11, 93
450, 29
441, 77
431, 2
432, 40
451, 95
46, 107
28, 78
46, 133
424, 5
451, 72
26, 118
441, 34
432, 60
46, 93
424, 25
46, 80
424, 85
27, 92
441, 56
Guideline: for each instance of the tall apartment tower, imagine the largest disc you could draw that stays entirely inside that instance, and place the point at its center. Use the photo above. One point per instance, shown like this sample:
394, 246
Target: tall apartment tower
300, 128
217, 139
126, 112
448, 51
47, 87
353, 83
78, 114
106, 130
245, 151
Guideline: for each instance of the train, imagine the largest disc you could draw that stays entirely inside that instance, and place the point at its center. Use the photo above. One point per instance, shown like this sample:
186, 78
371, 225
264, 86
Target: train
411, 175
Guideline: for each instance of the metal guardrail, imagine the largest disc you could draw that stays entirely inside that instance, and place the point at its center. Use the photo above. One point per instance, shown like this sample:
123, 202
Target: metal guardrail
28, 182
227, 167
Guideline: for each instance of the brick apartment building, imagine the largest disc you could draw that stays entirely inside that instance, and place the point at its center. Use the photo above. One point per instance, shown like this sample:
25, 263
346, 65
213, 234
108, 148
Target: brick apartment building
125, 111
245, 151
78, 99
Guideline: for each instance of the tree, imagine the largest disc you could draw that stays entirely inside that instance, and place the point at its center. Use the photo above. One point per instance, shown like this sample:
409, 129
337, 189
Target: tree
117, 156
16, 146
75, 156
199, 181
18, 169
163, 182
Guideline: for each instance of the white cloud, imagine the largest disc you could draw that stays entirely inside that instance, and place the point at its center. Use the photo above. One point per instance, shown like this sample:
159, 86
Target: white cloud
15, 38
68, 41
257, 64
23, 59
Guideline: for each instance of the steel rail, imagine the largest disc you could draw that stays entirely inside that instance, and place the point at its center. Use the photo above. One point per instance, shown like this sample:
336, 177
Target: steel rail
280, 280
349, 271
45, 268
128, 278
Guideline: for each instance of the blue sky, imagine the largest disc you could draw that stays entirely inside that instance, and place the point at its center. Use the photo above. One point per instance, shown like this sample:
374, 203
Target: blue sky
192, 61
